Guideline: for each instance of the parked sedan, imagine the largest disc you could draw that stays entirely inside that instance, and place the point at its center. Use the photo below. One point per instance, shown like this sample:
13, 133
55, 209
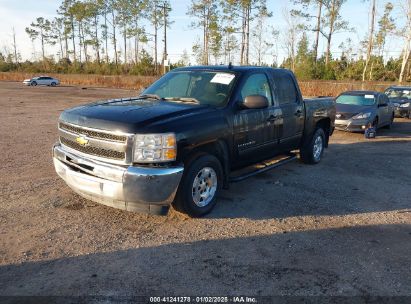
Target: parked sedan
42, 80
358, 110
401, 98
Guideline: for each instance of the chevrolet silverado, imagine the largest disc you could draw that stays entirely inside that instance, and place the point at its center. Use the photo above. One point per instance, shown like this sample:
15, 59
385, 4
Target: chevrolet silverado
189, 135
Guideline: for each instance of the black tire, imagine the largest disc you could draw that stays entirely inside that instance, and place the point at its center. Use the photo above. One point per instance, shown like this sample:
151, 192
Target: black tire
308, 151
53, 84
409, 115
33, 83
185, 201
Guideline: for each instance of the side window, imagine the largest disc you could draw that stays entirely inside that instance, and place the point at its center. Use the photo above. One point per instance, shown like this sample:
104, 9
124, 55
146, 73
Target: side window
381, 100
386, 99
285, 90
257, 84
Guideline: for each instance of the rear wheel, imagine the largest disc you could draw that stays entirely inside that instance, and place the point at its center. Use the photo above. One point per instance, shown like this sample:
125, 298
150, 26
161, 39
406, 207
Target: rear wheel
312, 150
201, 182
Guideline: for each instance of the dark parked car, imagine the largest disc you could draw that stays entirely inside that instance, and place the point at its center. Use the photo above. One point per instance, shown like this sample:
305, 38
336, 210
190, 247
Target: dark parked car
401, 99
358, 110
188, 135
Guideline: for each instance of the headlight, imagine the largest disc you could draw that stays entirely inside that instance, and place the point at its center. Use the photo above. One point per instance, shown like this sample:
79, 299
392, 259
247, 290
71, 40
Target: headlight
362, 116
155, 148
405, 105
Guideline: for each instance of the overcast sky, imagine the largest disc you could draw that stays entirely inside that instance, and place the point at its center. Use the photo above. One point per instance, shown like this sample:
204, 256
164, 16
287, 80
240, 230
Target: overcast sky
20, 13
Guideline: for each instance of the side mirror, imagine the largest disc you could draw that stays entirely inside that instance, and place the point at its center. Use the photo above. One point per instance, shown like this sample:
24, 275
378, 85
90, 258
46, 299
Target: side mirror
254, 102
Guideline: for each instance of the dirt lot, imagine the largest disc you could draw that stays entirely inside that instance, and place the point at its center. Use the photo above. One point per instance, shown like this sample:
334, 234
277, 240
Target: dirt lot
342, 227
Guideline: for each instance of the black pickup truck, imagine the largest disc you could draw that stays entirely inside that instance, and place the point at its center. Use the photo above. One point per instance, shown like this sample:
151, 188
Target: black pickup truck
188, 135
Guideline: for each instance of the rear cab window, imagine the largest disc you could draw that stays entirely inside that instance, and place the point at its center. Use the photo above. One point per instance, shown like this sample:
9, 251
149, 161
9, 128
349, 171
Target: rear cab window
285, 91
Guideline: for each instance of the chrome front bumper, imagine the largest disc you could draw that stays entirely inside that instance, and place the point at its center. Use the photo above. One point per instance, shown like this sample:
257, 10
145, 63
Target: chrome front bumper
141, 189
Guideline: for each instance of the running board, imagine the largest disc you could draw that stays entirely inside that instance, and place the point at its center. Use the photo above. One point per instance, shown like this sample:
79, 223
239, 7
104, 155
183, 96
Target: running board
242, 174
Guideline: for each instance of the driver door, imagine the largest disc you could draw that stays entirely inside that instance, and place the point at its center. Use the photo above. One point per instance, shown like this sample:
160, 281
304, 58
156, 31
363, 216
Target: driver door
383, 109
40, 81
253, 131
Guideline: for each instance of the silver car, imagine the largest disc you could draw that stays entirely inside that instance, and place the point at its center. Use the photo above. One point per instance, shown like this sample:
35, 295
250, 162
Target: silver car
358, 110
42, 80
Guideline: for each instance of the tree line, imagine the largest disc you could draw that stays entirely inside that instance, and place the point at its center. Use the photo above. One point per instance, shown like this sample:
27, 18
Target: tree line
84, 30
127, 36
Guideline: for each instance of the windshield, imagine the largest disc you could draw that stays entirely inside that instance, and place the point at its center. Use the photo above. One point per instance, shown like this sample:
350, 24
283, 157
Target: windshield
357, 100
398, 93
203, 87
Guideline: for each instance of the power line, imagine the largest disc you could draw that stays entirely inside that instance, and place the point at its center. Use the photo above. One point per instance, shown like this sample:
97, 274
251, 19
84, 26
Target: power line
165, 9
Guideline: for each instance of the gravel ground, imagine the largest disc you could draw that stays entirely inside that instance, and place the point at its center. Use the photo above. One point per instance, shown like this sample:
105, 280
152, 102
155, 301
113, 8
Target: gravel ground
338, 228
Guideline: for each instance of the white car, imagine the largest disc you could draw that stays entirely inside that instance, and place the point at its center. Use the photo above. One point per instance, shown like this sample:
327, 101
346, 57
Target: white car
42, 80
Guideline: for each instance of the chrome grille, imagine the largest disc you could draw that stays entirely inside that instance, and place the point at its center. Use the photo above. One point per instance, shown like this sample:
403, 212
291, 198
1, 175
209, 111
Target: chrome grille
92, 133
93, 150
98, 144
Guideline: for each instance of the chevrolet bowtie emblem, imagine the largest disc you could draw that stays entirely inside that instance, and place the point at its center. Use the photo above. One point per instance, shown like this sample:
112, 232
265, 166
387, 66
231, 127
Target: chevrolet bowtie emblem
338, 115
82, 140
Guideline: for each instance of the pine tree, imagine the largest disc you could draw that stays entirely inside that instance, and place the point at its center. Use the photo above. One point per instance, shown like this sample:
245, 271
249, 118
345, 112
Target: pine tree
41, 29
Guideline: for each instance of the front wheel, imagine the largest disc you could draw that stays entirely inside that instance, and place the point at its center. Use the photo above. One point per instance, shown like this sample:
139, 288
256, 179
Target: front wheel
312, 150
53, 84
33, 83
201, 182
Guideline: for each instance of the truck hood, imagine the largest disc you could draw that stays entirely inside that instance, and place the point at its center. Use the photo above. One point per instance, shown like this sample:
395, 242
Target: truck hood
129, 115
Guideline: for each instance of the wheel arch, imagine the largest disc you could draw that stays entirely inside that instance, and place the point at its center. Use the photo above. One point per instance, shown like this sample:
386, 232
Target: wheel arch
325, 124
217, 148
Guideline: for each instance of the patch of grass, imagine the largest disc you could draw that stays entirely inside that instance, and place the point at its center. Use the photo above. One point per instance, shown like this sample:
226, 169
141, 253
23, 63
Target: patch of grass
334, 88
113, 81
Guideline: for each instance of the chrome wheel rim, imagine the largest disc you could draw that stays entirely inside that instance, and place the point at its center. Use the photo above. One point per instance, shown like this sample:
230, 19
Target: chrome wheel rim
204, 186
318, 147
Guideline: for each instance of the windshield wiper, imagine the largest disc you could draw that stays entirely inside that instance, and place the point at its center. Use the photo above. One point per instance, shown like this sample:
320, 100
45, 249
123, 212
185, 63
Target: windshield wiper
183, 99
148, 96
